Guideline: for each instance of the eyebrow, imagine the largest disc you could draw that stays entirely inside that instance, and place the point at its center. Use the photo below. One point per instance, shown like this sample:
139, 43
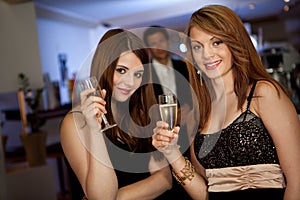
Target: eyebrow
214, 37
122, 66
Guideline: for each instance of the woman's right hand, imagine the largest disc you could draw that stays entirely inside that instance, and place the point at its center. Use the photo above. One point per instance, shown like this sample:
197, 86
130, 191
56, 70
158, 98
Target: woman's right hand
92, 107
163, 139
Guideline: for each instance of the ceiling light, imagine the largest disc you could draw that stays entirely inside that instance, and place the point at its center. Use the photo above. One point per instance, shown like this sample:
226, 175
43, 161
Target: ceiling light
251, 6
286, 8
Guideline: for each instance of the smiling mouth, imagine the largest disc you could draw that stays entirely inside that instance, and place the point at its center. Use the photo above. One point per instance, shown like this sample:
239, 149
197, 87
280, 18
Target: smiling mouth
212, 66
124, 91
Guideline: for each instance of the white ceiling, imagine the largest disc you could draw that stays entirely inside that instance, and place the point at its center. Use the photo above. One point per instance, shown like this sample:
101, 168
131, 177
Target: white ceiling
139, 13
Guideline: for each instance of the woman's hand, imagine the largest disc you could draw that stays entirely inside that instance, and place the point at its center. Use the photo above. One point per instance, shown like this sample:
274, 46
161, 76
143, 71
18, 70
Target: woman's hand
164, 140
92, 107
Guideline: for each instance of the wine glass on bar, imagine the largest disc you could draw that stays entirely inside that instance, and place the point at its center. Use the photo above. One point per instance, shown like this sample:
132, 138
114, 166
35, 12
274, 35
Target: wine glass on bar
168, 112
92, 83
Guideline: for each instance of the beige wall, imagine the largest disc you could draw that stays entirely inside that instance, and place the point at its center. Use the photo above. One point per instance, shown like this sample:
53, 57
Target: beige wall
19, 49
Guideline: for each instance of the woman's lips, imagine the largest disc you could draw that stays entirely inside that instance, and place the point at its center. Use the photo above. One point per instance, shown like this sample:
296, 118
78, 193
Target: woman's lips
213, 65
124, 91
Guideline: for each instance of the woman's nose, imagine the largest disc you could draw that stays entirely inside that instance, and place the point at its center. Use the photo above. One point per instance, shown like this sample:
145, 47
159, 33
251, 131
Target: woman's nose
208, 52
128, 79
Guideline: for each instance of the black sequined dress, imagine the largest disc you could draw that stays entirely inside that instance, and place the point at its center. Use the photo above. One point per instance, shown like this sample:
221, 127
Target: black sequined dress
241, 161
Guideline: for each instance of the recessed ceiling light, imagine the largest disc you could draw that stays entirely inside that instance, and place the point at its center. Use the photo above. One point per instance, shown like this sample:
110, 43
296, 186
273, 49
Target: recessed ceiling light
251, 6
286, 8
182, 48
286, 1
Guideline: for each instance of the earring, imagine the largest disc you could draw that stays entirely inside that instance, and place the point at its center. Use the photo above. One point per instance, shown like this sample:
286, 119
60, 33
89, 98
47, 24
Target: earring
199, 72
200, 76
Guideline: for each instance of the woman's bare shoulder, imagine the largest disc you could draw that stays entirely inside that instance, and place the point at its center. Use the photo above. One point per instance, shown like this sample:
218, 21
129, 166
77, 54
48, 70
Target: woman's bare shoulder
266, 94
71, 119
267, 89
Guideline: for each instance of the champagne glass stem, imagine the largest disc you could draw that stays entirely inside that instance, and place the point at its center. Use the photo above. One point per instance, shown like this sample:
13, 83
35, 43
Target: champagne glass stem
104, 119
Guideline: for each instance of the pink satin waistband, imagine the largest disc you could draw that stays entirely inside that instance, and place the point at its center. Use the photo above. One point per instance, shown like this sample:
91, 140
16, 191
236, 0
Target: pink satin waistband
245, 177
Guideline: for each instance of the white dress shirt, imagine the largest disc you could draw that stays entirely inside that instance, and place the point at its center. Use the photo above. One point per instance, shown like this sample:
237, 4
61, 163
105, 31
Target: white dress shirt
166, 75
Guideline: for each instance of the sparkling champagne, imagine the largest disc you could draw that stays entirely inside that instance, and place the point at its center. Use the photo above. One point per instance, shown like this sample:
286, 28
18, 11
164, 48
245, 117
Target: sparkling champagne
168, 113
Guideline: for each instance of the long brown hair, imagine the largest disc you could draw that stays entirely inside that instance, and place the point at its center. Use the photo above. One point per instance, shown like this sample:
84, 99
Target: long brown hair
247, 67
110, 47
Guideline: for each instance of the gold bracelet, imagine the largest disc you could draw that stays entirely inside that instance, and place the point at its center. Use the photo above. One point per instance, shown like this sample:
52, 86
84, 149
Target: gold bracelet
187, 171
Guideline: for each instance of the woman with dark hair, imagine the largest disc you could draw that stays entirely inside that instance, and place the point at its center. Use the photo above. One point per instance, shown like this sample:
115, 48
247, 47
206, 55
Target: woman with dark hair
119, 163
247, 144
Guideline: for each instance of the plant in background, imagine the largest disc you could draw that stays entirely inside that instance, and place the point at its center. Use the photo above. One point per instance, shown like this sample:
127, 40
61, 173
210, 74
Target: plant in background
32, 99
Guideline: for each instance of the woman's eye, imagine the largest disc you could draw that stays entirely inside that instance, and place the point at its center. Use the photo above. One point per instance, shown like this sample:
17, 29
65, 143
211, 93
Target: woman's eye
138, 75
121, 70
217, 43
196, 47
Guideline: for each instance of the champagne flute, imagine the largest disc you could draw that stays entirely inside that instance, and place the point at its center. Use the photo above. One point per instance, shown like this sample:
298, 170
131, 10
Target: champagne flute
168, 112
92, 83
168, 109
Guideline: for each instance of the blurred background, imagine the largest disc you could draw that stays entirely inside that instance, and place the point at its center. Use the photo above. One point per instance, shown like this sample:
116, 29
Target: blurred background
50, 40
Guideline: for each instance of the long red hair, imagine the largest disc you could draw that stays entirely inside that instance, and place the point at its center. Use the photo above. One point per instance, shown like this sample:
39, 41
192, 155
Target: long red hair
247, 67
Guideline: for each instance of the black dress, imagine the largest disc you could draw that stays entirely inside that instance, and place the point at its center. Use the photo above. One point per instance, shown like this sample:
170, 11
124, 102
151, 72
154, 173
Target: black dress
241, 161
131, 167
